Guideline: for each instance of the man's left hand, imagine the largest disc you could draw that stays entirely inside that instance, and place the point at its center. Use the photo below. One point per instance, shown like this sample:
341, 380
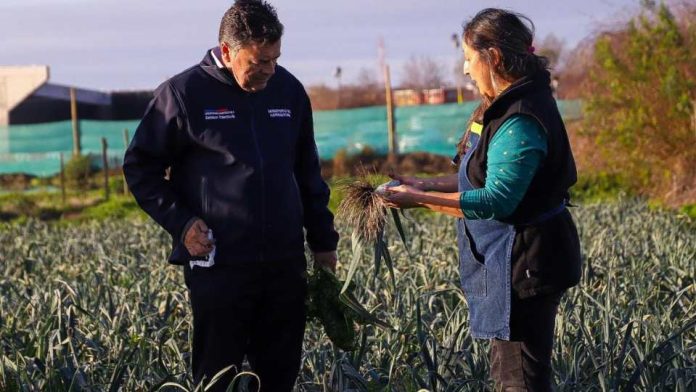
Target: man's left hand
326, 259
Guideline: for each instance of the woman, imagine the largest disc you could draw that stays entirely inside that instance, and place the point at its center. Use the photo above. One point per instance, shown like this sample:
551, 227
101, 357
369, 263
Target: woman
518, 245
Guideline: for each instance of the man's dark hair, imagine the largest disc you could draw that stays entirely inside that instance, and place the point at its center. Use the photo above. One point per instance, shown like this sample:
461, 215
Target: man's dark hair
250, 21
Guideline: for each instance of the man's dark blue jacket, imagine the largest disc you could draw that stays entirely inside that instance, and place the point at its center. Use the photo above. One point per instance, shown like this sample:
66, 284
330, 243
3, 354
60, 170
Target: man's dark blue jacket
245, 163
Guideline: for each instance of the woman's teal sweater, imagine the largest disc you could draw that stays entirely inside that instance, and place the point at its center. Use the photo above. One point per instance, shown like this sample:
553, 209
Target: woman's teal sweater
515, 153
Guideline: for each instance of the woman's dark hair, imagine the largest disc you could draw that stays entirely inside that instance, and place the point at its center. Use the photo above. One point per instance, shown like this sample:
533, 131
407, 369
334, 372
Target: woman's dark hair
250, 21
507, 32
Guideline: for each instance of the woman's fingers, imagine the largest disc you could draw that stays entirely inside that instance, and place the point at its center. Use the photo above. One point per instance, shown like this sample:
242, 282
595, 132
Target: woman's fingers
400, 178
389, 201
402, 189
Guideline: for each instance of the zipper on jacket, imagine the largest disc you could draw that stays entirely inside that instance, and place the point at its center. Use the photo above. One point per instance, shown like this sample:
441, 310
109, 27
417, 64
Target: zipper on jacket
204, 195
263, 180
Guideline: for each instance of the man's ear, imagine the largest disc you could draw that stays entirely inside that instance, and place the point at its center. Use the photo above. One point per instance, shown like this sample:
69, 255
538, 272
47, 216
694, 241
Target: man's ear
226, 52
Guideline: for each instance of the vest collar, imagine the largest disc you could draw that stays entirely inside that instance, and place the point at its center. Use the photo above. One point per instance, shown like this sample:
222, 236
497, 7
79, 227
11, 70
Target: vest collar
535, 82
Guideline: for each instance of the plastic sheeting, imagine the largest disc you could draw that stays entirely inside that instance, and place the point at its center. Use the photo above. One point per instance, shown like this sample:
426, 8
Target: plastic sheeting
35, 149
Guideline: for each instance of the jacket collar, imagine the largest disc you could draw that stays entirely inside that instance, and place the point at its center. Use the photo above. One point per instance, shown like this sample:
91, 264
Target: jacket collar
212, 65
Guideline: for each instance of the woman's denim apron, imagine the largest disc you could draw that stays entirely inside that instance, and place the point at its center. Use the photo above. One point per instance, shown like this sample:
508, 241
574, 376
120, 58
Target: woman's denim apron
485, 247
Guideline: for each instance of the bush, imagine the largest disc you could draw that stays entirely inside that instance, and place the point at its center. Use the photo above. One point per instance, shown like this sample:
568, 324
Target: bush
340, 163
368, 153
599, 186
116, 185
78, 171
116, 207
689, 210
640, 103
17, 204
38, 182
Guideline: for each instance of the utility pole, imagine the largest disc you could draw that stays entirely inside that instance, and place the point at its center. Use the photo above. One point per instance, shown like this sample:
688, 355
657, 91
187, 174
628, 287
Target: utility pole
458, 72
337, 74
391, 121
77, 147
126, 140
62, 179
105, 164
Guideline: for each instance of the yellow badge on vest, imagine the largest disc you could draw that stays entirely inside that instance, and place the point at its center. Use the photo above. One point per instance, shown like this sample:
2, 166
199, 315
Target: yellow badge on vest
476, 128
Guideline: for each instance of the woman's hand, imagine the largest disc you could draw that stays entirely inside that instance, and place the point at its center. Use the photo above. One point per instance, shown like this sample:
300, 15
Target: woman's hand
403, 196
418, 183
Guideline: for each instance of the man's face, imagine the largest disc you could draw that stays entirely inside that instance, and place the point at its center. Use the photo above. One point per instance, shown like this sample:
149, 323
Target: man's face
252, 65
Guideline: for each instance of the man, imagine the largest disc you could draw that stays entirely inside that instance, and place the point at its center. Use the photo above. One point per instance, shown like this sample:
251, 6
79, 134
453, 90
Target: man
244, 181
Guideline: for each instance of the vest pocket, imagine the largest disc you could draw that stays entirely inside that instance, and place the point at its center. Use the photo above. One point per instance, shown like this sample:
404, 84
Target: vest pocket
472, 270
546, 256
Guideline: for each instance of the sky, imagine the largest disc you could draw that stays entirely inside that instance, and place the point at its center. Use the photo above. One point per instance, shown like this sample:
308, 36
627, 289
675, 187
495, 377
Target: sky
137, 44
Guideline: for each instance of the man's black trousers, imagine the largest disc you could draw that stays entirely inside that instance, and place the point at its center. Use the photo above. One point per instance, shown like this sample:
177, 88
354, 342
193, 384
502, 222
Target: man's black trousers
251, 310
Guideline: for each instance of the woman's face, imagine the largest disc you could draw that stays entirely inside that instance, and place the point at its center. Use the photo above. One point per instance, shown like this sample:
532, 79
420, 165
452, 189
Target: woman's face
478, 68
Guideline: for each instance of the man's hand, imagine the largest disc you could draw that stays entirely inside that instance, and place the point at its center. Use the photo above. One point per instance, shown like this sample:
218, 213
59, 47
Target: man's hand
326, 259
196, 239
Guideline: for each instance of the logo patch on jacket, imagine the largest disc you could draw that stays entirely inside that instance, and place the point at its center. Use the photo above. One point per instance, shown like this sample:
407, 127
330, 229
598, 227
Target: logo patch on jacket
273, 113
219, 114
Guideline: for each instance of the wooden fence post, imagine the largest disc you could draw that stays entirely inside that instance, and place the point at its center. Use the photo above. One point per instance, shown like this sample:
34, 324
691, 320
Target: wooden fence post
62, 178
77, 142
126, 139
105, 163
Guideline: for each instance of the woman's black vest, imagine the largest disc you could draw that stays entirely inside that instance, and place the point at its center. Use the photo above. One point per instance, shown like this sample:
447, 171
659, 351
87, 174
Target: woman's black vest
530, 96
546, 252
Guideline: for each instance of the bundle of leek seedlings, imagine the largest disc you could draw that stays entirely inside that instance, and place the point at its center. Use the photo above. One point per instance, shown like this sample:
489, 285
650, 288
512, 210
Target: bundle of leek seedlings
364, 209
332, 301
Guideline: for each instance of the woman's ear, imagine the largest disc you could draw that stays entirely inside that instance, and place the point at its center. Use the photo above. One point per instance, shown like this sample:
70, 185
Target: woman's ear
496, 57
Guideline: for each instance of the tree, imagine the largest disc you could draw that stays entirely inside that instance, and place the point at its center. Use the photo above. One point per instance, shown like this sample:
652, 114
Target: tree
640, 104
574, 71
552, 48
367, 78
365, 91
422, 72
322, 97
